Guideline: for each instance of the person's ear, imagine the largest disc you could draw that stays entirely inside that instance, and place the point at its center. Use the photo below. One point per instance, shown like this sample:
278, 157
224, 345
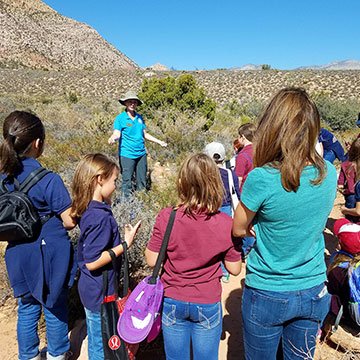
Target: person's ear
100, 179
37, 144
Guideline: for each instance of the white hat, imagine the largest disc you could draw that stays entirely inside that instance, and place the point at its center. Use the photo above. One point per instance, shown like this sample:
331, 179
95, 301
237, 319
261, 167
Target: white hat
130, 95
215, 148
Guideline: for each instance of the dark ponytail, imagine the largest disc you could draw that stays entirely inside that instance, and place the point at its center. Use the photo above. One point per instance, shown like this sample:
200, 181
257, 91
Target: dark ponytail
20, 129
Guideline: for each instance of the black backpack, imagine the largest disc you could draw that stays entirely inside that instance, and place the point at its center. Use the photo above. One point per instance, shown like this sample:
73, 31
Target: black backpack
19, 219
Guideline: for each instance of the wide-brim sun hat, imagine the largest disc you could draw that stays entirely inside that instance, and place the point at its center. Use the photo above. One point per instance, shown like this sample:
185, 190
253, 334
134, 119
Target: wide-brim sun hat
130, 95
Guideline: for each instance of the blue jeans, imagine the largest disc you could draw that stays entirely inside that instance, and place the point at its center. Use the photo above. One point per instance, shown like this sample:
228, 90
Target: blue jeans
128, 168
186, 323
29, 311
95, 344
293, 316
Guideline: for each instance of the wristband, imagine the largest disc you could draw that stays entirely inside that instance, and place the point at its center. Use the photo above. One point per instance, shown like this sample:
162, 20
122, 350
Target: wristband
124, 244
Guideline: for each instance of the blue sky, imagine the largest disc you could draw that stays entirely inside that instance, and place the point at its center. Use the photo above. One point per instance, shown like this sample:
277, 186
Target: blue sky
199, 34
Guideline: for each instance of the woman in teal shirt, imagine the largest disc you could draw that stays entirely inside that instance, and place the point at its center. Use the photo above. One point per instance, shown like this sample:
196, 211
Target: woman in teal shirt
285, 203
130, 131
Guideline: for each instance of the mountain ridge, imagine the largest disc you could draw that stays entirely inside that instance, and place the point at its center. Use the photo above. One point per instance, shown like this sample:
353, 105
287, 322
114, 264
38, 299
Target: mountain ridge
36, 36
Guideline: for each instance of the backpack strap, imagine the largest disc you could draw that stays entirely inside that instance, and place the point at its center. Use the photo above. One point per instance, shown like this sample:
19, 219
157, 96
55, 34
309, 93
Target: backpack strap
233, 194
338, 318
32, 179
3, 188
164, 245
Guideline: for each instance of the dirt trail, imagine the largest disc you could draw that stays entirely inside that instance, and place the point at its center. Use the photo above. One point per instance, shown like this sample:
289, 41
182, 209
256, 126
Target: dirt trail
231, 347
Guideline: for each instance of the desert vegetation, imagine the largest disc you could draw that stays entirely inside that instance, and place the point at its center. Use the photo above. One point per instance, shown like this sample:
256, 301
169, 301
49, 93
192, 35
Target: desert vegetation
187, 110
177, 109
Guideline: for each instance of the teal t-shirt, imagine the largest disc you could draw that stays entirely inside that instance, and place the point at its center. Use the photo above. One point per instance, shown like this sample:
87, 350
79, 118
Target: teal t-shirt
131, 142
289, 251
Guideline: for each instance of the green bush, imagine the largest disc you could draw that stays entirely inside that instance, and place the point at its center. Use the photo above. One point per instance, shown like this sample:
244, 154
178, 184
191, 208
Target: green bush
339, 115
249, 110
181, 93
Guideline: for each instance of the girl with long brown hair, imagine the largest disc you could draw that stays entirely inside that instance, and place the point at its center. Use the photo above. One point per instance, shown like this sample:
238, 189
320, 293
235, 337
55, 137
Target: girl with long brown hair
285, 203
199, 241
92, 188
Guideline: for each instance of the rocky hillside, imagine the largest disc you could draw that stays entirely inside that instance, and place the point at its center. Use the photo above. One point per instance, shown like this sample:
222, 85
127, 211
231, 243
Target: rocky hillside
221, 85
34, 35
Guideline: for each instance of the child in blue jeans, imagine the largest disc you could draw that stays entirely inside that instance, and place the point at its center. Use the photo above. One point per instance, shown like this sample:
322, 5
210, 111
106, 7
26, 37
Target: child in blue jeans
40, 270
92, 187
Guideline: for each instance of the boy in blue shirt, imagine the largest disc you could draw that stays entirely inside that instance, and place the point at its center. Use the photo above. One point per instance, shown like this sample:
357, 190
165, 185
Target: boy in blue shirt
129, 129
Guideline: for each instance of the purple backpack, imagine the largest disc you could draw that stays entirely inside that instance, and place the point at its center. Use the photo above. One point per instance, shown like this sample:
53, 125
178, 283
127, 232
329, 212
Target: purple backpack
141, 315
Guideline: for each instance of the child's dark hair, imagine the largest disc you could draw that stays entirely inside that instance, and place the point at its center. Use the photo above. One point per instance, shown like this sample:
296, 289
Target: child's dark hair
247, 130
341, 258
20, 129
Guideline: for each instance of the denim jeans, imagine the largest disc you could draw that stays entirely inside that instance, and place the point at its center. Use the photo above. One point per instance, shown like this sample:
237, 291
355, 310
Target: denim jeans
186, 323
56, 318
291, 316
128, 168
95, 344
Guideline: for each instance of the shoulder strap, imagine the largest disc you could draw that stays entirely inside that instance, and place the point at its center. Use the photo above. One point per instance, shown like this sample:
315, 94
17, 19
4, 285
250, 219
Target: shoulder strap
125, 267
231, 181
32, 179
3, 188
164, 245
338, 318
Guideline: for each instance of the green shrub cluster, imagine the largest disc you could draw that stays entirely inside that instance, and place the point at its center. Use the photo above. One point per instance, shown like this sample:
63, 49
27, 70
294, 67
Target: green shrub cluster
339, 115
181, 93
247, 111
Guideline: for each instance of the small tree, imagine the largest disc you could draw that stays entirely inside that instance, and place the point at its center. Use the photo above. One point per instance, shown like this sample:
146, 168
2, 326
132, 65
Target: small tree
265, 67
181, 93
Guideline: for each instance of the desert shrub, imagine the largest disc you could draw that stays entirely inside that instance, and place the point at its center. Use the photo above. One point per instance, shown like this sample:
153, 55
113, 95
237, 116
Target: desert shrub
338, 114
265, 67
248, 109
184, 134
181, 93
72, 97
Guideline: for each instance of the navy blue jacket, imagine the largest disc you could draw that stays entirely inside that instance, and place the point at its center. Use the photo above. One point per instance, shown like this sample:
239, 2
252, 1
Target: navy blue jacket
44, 267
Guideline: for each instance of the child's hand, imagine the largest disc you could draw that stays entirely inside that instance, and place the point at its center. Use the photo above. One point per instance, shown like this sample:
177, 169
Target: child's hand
130, 232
